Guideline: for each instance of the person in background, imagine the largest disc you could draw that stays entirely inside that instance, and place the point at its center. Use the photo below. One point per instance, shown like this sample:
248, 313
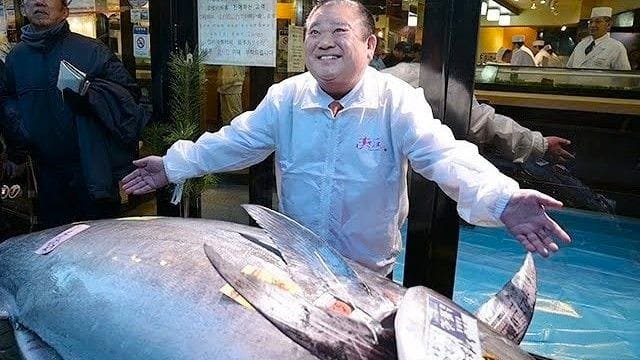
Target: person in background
546, 57
231, 79
401, 53
536, 47
522, 55
377, 62
511, 140
416, 52
344, 136
82, 140
503, 56
599, 50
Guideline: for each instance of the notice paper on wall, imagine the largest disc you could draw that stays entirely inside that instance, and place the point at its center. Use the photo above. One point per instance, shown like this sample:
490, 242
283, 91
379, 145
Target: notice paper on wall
240, 32
295, 47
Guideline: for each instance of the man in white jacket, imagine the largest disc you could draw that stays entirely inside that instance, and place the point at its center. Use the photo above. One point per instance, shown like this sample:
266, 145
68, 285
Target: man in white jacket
522, 55
343, 135
511, 140
599, 50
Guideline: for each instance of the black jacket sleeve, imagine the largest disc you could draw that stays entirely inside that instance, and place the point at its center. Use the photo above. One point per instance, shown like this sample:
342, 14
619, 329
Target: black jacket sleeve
114, 97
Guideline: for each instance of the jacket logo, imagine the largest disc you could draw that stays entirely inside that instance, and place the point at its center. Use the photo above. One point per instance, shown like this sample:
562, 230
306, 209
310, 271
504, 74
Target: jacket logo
370, 144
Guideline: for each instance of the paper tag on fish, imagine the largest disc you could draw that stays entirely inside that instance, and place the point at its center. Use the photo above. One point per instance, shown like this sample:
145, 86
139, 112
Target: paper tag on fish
331, 303
52, 244
451, 334
234, 295
264, 276
270, 278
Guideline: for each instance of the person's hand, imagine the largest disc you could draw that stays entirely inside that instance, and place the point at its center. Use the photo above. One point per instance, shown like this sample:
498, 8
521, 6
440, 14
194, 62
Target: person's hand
556, 151
148, 176
526, 219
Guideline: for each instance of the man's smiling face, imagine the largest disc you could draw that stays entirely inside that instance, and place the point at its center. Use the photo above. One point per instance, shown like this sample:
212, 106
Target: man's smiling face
336, 49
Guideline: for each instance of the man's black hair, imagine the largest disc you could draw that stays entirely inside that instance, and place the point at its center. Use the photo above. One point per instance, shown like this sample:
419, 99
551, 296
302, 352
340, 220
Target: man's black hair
368, 23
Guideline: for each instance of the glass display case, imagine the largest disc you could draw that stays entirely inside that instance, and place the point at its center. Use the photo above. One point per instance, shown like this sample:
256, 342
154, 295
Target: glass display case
579, 82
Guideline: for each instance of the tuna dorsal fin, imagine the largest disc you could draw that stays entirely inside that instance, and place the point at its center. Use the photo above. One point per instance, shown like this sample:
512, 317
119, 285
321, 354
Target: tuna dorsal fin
310, 259
509, 312
325, 335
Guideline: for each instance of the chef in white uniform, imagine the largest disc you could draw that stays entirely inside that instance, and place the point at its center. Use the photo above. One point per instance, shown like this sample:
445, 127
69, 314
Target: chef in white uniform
599, 50
544, 55
522, 55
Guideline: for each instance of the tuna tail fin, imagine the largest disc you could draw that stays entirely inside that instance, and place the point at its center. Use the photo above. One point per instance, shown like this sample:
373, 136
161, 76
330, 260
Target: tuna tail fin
310, 259
325, 335
509, 312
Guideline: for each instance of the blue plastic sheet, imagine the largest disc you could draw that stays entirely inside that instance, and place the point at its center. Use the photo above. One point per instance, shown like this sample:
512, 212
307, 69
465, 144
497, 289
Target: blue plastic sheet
588, 305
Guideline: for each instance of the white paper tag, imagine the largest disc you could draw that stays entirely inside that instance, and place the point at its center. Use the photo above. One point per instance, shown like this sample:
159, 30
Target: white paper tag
452, 334
52, 244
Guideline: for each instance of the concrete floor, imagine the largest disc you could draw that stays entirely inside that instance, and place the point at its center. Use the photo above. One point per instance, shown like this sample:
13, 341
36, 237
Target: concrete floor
221, 203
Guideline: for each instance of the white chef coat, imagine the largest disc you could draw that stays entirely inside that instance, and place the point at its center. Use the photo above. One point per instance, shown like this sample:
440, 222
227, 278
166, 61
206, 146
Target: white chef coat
608, 53
344, 177
522, 57
511, 140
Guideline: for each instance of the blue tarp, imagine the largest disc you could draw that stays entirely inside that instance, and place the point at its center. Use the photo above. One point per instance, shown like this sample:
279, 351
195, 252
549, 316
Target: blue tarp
588, 305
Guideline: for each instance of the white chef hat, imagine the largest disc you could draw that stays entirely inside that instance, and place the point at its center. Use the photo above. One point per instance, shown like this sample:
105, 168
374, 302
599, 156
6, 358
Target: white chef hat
517, 39
601, 11
538, 43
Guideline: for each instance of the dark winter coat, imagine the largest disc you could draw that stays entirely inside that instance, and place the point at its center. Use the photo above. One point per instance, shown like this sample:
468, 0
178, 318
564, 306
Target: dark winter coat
98, 131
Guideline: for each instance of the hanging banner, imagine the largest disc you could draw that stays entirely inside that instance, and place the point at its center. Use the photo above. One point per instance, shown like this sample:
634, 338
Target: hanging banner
281, 56
295, 54
239, 32
141, 47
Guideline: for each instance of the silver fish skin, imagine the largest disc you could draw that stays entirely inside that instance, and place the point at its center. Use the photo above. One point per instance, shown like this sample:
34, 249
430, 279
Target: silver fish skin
128, 289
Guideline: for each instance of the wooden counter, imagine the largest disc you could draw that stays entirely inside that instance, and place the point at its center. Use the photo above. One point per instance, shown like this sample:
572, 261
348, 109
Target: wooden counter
561, 102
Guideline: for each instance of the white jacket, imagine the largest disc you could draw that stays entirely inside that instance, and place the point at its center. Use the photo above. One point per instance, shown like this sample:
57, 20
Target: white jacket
522, 57
608, 53
345, 178
511, 140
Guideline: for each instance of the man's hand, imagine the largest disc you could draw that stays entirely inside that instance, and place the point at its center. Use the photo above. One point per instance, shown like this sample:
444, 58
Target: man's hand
148, 176
556, 151
526, 219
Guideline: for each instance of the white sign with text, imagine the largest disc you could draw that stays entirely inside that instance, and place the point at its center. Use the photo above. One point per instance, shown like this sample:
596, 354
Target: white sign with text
238, 32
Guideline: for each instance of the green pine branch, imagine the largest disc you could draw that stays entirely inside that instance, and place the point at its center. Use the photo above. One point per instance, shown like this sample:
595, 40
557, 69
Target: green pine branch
187, 80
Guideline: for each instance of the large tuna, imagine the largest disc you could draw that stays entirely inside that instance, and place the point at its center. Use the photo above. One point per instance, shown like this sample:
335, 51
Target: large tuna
144, 288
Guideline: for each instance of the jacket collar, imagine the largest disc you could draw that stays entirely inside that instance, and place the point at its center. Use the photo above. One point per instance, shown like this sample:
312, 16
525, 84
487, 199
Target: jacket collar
601, 39
44, 40
363, 95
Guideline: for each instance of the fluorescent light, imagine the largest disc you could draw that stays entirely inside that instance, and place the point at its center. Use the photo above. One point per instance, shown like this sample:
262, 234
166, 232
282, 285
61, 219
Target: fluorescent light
493, 14
412, 20
483, 8
504, 20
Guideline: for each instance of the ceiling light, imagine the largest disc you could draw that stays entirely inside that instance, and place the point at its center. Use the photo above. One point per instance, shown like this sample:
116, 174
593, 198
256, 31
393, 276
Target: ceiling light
563, 28
412, 20
504, 20
493, 14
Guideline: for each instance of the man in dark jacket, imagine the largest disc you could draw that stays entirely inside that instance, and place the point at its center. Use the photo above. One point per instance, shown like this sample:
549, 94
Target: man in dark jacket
82, 140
